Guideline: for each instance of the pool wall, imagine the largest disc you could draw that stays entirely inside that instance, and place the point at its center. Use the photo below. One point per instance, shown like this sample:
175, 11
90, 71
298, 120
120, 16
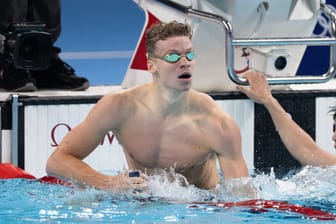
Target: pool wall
33, 124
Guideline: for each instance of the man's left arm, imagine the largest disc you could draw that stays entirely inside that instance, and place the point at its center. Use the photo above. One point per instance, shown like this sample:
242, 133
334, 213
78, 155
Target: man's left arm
231, 158
232, 162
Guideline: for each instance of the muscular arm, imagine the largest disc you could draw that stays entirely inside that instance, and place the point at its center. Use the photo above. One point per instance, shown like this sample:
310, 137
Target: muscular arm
297, 141
66, 160
228, 145
231, 159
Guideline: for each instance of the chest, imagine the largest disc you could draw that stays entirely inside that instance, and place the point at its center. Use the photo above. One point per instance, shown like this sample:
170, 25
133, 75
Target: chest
179, 141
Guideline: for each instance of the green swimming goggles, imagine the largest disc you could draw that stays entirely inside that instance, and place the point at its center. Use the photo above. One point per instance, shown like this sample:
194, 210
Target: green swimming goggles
175, 57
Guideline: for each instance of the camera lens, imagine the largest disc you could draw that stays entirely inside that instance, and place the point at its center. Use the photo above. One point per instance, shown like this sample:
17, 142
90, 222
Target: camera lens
29, 50
32, 50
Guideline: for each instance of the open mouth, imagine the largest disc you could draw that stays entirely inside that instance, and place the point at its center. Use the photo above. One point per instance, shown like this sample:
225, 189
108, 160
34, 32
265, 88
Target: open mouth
185, 76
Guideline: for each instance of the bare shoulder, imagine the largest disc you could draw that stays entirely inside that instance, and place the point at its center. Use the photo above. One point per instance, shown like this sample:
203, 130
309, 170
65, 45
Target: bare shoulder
202, 95
208, 104
203, 100
217, 114
115, 107
122, 99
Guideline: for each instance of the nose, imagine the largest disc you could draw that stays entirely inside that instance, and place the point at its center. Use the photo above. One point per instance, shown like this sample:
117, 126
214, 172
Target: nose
184, 62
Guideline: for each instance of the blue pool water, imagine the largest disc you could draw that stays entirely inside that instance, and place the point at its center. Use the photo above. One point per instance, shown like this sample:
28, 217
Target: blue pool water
29, 201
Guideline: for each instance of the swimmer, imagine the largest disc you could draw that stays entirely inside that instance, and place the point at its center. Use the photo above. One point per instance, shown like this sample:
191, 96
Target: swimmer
300, 145
161, 125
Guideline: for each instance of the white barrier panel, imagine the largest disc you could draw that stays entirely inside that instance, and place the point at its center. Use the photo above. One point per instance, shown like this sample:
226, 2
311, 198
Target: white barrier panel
46, 125
6, 156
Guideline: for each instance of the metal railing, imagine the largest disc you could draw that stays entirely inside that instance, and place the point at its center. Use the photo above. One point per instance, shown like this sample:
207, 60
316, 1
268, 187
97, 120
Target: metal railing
230, 42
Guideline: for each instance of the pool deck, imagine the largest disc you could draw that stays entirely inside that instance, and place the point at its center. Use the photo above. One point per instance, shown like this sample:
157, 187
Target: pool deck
91, 91
104, 89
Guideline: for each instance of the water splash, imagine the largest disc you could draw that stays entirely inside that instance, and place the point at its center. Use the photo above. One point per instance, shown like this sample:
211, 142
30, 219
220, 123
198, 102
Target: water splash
310, 183
172, 199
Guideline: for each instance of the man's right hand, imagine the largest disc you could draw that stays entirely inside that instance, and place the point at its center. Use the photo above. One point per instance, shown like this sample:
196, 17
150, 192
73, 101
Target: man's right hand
125, 182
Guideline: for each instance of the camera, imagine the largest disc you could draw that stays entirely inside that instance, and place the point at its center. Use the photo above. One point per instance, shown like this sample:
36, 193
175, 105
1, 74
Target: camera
27, 46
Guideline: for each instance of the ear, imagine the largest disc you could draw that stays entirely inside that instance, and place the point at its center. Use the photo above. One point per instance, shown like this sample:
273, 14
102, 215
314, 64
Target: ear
151, 66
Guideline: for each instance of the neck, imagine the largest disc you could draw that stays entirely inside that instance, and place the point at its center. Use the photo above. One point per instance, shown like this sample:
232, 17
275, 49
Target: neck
170, 100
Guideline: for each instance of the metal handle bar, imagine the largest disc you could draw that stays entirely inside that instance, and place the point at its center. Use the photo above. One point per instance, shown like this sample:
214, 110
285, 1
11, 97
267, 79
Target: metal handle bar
230, 43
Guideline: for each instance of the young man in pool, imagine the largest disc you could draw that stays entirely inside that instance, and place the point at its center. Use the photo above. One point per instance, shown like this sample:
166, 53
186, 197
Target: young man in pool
301, 146
161, 125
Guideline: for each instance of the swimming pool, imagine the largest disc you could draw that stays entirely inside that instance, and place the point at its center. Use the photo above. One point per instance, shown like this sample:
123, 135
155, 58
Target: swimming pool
30, 201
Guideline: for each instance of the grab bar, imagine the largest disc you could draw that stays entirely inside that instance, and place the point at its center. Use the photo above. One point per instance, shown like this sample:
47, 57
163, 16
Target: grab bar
230, 43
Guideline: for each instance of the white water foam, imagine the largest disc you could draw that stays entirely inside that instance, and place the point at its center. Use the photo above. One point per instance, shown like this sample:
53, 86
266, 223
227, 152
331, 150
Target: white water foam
310, 183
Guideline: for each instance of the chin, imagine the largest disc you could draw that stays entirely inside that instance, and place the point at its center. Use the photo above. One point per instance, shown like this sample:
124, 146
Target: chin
186, 87
186, 82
